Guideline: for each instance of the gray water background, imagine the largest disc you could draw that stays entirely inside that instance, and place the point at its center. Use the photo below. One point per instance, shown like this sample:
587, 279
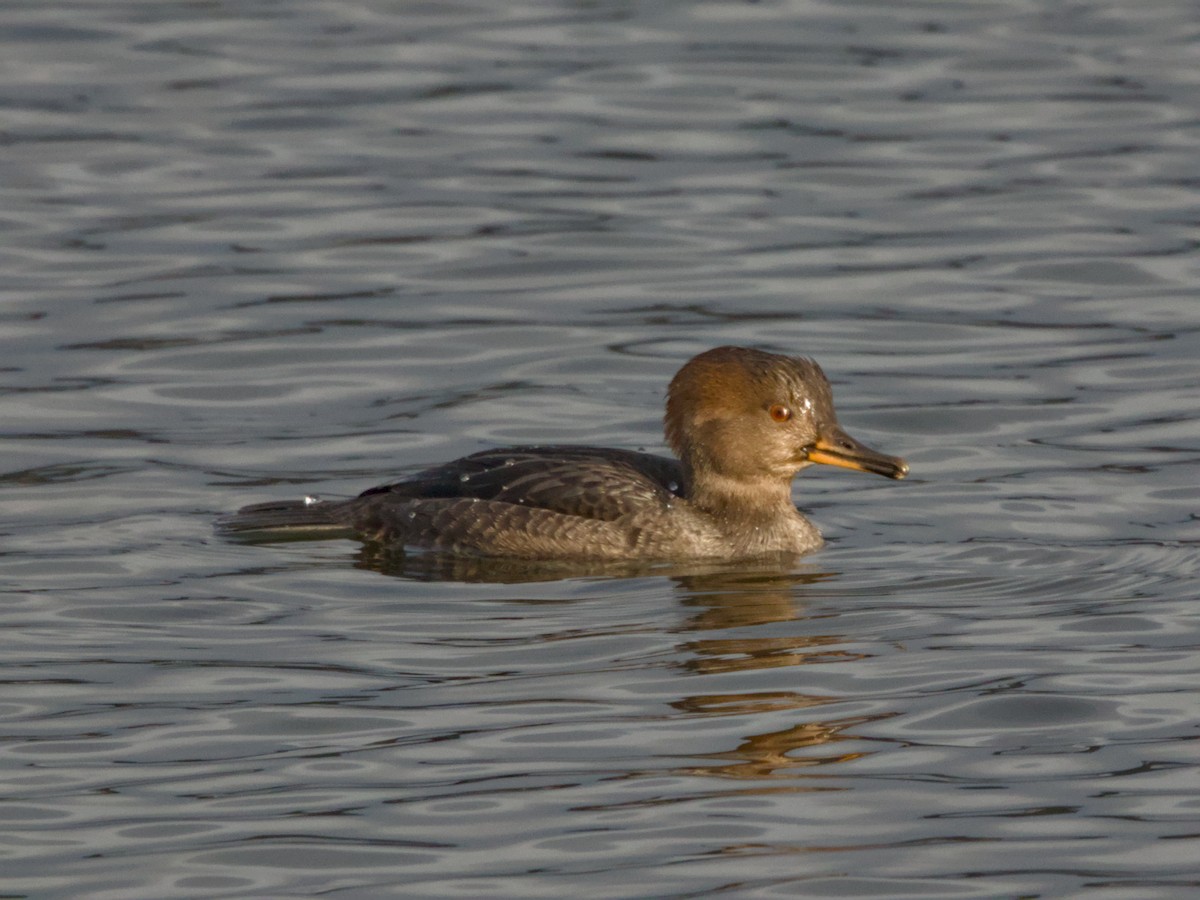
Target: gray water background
260, 249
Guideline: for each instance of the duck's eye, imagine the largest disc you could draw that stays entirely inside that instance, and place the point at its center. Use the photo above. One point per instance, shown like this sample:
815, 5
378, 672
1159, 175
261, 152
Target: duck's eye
780, 413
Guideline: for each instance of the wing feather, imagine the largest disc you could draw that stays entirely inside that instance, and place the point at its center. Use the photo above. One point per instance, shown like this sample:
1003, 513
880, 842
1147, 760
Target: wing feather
587, 482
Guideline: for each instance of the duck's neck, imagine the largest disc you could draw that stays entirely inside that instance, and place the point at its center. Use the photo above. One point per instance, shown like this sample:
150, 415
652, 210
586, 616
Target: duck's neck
752, 501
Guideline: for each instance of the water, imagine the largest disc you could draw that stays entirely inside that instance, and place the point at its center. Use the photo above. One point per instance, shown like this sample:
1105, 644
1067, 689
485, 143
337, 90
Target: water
263, 250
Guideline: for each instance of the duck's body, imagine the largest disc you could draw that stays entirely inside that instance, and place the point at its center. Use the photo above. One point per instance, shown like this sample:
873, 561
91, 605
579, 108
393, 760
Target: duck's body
742, 421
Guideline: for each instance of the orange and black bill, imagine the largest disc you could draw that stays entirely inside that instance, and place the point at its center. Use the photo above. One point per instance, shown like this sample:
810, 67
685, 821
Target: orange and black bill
836, 448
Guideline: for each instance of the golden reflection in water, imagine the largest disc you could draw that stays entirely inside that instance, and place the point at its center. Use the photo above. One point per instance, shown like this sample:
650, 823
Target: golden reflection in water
760, 604
776, 754
746, 596
745, 600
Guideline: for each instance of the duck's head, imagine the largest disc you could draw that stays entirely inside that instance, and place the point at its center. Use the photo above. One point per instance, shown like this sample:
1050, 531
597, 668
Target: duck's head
746, 414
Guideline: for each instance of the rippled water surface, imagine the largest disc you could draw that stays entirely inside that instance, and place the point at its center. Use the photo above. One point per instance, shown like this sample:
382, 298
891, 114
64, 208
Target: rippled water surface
255, 250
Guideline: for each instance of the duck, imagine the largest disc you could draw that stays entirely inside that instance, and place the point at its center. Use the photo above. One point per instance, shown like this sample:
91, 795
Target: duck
742, 423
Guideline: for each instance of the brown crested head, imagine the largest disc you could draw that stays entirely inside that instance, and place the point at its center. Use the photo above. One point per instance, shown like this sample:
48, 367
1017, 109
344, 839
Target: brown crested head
748, 414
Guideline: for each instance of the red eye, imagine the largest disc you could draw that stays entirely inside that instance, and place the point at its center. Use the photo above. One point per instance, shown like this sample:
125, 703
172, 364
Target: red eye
780, 413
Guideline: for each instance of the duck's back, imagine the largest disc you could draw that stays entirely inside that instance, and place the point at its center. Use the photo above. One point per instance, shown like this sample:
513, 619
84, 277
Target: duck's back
555, 501
591, 482
559, 501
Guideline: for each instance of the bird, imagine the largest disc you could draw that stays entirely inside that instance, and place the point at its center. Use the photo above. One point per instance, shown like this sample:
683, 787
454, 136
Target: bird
741, 421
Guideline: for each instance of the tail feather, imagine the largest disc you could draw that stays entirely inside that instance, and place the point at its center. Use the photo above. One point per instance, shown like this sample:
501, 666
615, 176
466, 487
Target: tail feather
284, 520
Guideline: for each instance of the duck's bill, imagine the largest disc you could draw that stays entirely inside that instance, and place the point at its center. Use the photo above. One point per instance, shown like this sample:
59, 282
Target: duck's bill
836, 448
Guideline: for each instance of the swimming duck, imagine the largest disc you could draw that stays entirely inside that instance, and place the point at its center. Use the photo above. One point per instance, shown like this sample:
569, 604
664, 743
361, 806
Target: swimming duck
742, 422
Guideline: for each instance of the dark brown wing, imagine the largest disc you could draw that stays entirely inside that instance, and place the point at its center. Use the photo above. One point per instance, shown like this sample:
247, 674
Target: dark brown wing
593, 483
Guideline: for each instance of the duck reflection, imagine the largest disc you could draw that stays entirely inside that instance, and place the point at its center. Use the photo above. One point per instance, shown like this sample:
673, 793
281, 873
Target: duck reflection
433, 566
741, 617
